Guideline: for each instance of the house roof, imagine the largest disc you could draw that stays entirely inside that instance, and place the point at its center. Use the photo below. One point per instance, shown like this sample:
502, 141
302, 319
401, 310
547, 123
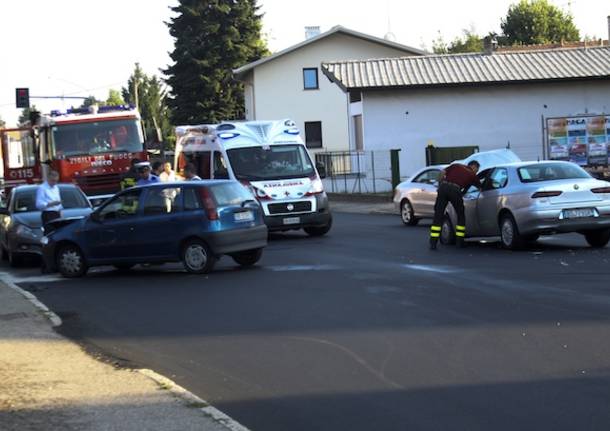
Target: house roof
239, 72
471, 69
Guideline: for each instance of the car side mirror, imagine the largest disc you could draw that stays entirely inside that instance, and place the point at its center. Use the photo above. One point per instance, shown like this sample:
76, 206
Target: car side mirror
321, 170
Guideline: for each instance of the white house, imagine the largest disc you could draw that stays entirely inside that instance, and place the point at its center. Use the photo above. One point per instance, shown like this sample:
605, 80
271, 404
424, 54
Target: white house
288, 84
487, 99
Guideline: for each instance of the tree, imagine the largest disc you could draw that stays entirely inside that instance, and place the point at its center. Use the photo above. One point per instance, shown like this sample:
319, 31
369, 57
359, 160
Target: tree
2, 123
27, 114
469, 42
89, 101
114, 98
538, 22
148, 95
212, 37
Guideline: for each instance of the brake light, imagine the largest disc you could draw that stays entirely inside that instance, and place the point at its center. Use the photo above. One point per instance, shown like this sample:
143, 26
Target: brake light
601, 190
208, 203
546, 194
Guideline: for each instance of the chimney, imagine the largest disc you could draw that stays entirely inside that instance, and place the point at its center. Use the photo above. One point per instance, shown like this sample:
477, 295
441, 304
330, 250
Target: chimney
490, 44
311, 31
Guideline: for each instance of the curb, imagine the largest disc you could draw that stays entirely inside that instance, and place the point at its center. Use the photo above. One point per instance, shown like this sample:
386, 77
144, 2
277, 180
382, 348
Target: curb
193, 400
44, 310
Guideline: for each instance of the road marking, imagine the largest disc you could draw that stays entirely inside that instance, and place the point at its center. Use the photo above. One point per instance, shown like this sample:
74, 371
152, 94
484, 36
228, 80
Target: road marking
285, 268
432, 268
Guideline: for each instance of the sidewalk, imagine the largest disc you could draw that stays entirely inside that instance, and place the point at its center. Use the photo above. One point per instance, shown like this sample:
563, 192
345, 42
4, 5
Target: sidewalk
362, 204
49, 383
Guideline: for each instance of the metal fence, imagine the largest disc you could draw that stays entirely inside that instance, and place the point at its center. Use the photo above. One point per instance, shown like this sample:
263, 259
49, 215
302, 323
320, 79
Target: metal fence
357, 171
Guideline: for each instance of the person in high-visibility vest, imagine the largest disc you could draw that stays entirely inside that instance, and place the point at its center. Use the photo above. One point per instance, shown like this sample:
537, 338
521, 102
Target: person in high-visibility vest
131, 177
454, 181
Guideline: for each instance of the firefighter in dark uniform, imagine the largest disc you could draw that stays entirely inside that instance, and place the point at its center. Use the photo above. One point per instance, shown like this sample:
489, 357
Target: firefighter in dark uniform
454, 181
131, 177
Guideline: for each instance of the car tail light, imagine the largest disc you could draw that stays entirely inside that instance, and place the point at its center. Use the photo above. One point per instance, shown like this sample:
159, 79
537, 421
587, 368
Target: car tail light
546, 194
208, 203
601, 190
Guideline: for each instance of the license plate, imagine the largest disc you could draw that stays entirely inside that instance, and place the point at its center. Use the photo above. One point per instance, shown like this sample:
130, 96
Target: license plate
244, 216
292, 220
579, 213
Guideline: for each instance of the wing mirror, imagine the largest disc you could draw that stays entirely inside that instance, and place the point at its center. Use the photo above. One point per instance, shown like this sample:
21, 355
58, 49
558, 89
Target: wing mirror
321, 167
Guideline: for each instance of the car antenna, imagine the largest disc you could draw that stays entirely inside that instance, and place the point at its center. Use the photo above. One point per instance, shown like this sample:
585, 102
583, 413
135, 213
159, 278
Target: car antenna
508, 145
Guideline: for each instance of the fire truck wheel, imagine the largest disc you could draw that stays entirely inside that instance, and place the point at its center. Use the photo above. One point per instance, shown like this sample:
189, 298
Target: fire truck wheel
71, 262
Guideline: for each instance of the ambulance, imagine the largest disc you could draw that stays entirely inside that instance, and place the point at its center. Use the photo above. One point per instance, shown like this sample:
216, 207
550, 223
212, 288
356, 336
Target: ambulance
270, 159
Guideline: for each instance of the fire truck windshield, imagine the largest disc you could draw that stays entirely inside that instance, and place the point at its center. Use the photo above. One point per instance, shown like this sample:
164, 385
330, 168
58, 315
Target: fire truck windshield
97, 137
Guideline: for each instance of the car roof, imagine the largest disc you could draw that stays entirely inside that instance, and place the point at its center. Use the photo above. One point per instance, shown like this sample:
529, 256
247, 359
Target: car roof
182, 183
26, 187
517, 165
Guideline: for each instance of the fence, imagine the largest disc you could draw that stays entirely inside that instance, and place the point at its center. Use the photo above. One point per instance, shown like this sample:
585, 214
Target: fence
357, 171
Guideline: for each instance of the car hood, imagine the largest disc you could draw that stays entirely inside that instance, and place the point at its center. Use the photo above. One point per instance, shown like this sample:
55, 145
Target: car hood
33, 219
489, 159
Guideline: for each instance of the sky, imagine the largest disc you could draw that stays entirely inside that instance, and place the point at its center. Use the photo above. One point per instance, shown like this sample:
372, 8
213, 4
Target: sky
83, 47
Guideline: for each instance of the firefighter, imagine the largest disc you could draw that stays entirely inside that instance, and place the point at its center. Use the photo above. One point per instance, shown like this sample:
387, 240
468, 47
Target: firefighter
131, 177
454, 181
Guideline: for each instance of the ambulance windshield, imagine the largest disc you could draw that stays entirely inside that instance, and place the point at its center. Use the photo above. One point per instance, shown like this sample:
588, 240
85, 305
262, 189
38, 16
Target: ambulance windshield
97, 137
271, 162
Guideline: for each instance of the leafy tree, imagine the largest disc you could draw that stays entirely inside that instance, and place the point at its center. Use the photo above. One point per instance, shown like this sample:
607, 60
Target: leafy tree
2, 123
27, 114
89, 101
114, 98
212, 37
537, 22
469, 42
151, 101
439, 46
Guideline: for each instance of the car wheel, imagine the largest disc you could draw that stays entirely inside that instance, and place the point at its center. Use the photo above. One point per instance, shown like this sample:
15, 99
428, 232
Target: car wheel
598, 238
447, 232
197, 257
248, 258
406, 213
319, 230
14, 259
509, 233
70, 261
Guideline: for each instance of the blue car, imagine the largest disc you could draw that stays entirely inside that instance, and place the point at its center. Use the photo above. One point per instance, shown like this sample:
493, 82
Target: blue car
193, 222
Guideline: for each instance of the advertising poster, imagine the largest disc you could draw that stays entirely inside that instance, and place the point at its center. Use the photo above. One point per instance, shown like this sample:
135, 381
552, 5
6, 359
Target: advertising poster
582, 140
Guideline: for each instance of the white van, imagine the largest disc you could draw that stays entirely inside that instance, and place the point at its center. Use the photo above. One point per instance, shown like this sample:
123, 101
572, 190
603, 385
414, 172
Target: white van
268, 157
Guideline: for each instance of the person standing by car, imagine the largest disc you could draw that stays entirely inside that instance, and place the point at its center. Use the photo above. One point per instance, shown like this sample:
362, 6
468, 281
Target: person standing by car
454, 181
190, 173
168, 175
131, 177
157, 168
145, 176
48, 199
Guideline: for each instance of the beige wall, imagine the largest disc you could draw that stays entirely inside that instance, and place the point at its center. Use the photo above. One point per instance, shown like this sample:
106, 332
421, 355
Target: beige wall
278, 87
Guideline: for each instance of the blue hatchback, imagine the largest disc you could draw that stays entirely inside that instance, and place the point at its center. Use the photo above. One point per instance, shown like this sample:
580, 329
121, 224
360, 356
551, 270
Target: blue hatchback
194, 222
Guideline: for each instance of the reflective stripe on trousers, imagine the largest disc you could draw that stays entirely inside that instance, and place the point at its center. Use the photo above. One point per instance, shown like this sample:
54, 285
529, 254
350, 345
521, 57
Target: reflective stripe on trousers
460, 231
435, 231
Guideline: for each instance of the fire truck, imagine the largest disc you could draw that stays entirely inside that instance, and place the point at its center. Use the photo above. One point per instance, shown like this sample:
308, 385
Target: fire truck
91, 147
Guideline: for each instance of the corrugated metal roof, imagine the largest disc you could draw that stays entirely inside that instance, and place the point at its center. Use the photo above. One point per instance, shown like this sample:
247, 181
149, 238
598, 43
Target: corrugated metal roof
479, 68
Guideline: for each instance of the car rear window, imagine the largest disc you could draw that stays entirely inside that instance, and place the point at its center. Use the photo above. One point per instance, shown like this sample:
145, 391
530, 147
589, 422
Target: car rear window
230, 194
551, 172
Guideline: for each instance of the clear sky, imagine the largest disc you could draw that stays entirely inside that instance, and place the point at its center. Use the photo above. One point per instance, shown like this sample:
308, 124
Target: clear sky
82, 47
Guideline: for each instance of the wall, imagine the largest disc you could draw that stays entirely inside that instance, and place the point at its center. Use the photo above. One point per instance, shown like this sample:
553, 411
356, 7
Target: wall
278, 87
489, 117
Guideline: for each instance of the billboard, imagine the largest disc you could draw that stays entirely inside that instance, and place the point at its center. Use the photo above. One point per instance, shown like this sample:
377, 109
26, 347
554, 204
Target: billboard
583, 140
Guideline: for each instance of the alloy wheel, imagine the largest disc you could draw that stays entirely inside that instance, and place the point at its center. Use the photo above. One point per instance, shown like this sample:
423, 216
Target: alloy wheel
71, 261
196, 257
508, 232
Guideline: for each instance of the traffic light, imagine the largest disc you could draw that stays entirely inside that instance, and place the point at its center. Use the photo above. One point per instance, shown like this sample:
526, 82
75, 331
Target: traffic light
22, 96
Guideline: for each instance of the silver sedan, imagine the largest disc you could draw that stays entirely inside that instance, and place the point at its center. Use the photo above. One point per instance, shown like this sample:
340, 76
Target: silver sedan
521, 201
415, 198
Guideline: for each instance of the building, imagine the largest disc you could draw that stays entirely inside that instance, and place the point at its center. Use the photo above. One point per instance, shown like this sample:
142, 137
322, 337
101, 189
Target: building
288, 84
532, 100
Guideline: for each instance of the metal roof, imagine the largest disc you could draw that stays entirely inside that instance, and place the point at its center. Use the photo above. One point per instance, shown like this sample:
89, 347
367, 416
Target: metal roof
471, 69
239, 72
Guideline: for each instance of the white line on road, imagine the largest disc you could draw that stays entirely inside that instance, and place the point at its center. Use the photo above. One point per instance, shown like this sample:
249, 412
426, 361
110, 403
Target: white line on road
432, 268
303, 268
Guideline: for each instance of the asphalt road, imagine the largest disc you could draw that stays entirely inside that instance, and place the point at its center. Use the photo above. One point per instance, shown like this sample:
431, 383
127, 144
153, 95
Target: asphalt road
366, 329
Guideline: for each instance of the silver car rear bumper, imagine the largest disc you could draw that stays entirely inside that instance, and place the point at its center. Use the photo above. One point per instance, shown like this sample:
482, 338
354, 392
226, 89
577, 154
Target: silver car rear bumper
543, 221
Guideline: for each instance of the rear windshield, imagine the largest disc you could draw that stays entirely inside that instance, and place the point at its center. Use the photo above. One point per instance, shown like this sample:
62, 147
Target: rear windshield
25, 201
230, 194
551, 172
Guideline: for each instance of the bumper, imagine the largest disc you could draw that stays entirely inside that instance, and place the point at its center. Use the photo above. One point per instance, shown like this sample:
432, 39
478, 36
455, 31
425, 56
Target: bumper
232, 241
549, 222
22, 245
321, 217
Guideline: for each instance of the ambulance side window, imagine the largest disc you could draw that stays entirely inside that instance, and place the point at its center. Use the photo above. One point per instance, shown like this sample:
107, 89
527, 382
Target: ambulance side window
220, 167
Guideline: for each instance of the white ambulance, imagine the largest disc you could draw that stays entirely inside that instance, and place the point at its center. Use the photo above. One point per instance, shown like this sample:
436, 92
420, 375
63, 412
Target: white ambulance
268, 157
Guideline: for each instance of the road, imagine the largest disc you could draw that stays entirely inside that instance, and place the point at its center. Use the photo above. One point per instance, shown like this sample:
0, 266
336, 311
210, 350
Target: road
366, 329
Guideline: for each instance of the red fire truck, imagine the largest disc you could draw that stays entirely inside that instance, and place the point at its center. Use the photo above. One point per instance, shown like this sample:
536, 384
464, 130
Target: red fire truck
91, 147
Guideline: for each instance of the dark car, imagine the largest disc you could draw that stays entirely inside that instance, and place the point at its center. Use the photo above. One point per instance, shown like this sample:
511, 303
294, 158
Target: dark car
21, 223
194, 222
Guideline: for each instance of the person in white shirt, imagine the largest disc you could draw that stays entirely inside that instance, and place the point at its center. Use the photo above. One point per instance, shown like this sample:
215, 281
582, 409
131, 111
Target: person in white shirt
190, 173
168, 175
48, 199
